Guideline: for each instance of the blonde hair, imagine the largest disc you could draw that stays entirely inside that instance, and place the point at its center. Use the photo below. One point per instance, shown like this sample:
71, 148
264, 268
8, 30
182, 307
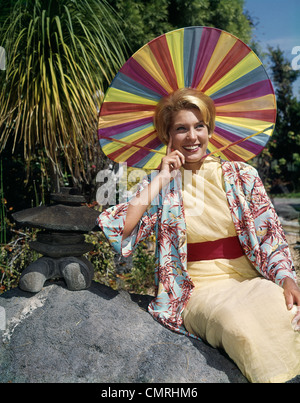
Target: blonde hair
183, 98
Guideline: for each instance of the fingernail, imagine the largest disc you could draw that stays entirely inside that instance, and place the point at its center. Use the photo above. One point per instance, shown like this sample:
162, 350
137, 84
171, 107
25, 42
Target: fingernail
290, 306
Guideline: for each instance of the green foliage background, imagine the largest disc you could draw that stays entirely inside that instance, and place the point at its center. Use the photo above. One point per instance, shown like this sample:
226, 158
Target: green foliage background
145, 20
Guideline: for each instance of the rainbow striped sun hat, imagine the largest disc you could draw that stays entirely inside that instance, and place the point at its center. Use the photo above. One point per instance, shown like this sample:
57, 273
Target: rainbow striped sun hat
208, 59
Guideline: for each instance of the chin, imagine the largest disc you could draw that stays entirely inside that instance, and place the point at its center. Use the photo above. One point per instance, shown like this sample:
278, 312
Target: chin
195, 158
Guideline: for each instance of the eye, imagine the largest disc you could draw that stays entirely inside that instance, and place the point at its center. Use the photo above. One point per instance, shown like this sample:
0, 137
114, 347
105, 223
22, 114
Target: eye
200, 125
180, 129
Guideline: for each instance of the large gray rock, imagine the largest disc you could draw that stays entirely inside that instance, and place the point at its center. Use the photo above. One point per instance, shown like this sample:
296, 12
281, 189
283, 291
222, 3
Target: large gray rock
99, 335
287, 208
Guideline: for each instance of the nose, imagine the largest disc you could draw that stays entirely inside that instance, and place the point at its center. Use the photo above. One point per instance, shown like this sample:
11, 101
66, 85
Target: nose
192, 134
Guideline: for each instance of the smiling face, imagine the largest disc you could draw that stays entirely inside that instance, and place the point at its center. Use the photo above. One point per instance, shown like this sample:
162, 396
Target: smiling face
189, 136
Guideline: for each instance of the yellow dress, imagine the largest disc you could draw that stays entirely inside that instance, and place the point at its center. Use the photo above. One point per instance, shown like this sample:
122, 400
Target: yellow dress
232, 306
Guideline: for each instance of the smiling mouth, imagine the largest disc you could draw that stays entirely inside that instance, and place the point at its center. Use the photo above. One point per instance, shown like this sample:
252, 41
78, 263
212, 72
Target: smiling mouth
192, 148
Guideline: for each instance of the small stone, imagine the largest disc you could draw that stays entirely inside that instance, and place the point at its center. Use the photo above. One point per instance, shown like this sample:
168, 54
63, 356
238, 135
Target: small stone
61, 238
61, 250
77, 272
59, 218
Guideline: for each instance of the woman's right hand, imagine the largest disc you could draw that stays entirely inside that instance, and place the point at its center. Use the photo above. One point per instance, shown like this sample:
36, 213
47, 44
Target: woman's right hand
139, 204
173, 160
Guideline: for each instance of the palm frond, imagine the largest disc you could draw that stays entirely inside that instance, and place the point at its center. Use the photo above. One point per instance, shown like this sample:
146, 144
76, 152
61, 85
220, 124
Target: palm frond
61, 55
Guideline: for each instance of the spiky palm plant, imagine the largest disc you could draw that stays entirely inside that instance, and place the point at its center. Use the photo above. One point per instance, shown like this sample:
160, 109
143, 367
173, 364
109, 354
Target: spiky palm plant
61, 55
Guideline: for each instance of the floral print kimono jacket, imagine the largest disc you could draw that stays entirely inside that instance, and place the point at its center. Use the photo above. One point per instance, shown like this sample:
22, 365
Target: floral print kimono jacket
256, 223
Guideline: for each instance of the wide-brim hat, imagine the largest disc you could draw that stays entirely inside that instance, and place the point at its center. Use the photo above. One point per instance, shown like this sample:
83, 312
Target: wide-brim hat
208, 59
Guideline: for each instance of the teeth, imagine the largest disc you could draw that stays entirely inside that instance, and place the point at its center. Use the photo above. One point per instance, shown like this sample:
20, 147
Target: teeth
191, 147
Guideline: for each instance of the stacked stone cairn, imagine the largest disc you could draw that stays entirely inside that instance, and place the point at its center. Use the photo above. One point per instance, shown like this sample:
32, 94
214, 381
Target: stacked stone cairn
60, 240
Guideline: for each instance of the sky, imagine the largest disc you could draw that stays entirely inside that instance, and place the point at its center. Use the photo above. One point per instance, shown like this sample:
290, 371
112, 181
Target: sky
278, 24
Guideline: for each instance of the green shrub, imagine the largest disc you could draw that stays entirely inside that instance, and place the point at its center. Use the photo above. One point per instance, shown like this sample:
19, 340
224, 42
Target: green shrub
139, 280
15, 256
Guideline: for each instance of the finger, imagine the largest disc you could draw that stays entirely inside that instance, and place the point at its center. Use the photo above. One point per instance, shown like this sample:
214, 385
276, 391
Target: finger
182, 159
289, 300
179, 158
175, 160
169, 146
296, 319
172, 161
167, 163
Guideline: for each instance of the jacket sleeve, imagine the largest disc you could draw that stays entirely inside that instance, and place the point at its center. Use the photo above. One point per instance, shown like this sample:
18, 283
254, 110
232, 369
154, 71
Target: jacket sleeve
275, 258
112, 221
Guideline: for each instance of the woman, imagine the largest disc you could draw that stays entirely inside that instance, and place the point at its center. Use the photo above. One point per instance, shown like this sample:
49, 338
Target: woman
224, 271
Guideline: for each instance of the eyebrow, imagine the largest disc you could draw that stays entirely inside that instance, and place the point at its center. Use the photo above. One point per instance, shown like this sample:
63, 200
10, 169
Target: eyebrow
183, 124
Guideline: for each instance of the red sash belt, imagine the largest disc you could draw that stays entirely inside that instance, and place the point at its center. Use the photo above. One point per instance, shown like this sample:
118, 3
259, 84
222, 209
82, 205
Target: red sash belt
226, 248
